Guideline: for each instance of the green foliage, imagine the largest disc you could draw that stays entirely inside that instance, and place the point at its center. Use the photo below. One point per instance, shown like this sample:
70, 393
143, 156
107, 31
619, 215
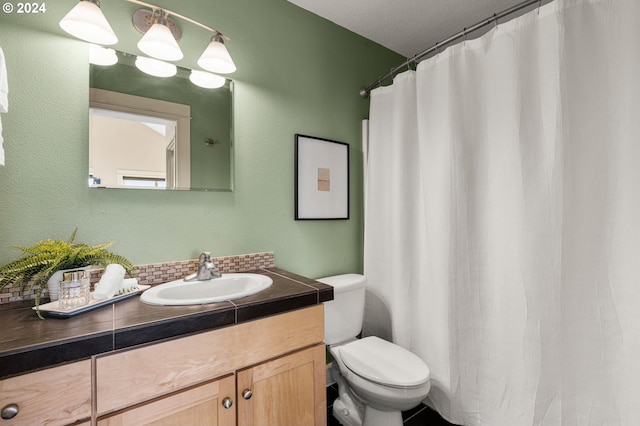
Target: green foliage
41, 260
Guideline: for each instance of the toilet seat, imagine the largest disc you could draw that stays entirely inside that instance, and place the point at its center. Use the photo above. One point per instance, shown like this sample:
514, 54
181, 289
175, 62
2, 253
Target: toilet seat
384, 363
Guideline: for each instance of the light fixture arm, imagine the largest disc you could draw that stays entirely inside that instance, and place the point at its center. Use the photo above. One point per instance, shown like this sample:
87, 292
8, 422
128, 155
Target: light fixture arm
175, 14
160, 18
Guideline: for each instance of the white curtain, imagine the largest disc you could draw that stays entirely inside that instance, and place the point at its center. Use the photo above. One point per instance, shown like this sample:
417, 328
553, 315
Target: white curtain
502, 235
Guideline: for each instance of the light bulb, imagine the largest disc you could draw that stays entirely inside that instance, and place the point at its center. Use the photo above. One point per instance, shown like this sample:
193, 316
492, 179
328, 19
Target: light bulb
104, 56
216, 58
206, 80
155, 67
86, 22
158, 42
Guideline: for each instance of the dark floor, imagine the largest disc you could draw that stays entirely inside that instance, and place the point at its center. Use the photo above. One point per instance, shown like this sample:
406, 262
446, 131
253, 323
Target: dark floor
419, 416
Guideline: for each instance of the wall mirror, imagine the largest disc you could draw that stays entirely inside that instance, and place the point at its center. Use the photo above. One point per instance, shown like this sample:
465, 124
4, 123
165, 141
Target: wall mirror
158, 132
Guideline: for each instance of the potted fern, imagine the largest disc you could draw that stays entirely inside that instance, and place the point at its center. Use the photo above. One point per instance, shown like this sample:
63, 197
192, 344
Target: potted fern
44, 259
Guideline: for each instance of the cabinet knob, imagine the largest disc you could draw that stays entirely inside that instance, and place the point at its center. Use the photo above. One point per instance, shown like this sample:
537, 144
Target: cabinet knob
227, 403
247, 394
9, 411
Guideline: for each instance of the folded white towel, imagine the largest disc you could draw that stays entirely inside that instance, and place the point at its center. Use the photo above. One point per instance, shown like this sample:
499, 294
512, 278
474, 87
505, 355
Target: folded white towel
4, 99
128, 284
1, 145
110, 282
4, 86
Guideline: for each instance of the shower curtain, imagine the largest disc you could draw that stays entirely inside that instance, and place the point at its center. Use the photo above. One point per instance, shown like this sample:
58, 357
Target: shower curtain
502, 224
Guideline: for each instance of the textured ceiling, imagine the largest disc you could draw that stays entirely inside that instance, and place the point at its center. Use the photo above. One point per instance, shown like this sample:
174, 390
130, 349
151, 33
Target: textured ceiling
406, 26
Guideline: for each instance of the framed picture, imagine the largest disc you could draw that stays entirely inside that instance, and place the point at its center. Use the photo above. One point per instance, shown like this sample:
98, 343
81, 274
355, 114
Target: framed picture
321, 179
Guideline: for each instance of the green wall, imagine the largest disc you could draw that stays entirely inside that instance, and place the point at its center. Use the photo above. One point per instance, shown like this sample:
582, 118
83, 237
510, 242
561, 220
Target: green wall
297, 73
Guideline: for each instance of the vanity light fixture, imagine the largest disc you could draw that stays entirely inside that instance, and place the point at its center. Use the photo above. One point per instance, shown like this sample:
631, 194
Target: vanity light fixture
161, 34
206, 80
86, 22
155, 67
216, 57
104, 56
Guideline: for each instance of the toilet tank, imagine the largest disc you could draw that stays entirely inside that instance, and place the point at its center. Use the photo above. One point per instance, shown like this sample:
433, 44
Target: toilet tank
343, 315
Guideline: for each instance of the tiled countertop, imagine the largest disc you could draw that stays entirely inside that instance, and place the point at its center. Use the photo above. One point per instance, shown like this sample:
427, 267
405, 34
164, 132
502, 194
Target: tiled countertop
28, 343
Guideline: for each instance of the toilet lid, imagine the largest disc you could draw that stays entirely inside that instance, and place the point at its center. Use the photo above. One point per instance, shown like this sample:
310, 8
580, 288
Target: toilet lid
383, 362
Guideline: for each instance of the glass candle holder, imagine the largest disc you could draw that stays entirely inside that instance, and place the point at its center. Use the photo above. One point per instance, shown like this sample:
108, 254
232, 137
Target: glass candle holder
75, 290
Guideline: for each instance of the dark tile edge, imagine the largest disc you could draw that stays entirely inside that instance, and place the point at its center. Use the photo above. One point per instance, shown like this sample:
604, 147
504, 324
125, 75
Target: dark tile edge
174, 327
261, 310
325, 291
49, 355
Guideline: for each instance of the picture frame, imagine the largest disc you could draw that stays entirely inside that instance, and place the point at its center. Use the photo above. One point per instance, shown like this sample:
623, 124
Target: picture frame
321, 179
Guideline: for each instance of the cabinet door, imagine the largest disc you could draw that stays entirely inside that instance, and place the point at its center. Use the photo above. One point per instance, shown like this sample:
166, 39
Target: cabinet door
290, 390
202, 405
55, 396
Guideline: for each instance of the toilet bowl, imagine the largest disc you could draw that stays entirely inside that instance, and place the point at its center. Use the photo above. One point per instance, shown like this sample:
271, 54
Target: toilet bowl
377, 379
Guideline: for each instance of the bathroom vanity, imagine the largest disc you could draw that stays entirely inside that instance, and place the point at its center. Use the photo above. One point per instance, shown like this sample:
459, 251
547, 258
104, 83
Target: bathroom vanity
259, 360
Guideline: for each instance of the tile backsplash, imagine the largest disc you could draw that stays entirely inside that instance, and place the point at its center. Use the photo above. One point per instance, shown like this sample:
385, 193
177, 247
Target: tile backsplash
157, 273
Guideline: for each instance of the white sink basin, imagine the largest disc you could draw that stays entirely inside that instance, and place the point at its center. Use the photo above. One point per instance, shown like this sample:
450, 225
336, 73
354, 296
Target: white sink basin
227, 287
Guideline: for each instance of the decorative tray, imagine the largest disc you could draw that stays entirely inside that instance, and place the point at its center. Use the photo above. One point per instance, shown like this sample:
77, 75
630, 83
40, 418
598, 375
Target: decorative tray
52, 308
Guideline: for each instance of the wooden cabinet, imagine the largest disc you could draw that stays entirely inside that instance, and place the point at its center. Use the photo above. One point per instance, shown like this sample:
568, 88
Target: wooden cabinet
280, 359
196, 380
207, 404
54, 396
289, 390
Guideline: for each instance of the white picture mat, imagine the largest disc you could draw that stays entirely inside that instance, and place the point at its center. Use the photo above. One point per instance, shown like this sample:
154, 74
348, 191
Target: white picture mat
314, 154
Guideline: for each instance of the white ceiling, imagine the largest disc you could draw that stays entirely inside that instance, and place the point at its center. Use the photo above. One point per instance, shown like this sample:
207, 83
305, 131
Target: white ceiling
407, 27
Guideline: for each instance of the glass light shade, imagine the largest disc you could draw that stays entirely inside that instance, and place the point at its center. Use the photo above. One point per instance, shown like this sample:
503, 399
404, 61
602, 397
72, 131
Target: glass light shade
104, 56
216, 58
155, 67
206, 80
86, 22
158, 42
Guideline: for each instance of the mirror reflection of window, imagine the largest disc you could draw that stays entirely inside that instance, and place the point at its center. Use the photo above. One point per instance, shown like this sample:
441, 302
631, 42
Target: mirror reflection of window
144, 182
138, 137
131, 150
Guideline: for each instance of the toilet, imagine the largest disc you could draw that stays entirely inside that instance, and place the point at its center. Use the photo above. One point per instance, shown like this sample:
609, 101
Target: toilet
377, 379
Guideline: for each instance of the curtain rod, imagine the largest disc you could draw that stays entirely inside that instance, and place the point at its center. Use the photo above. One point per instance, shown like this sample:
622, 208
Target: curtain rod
364, 92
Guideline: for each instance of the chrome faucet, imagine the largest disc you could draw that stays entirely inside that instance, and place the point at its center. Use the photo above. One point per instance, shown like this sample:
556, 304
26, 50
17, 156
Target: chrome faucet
206, 269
